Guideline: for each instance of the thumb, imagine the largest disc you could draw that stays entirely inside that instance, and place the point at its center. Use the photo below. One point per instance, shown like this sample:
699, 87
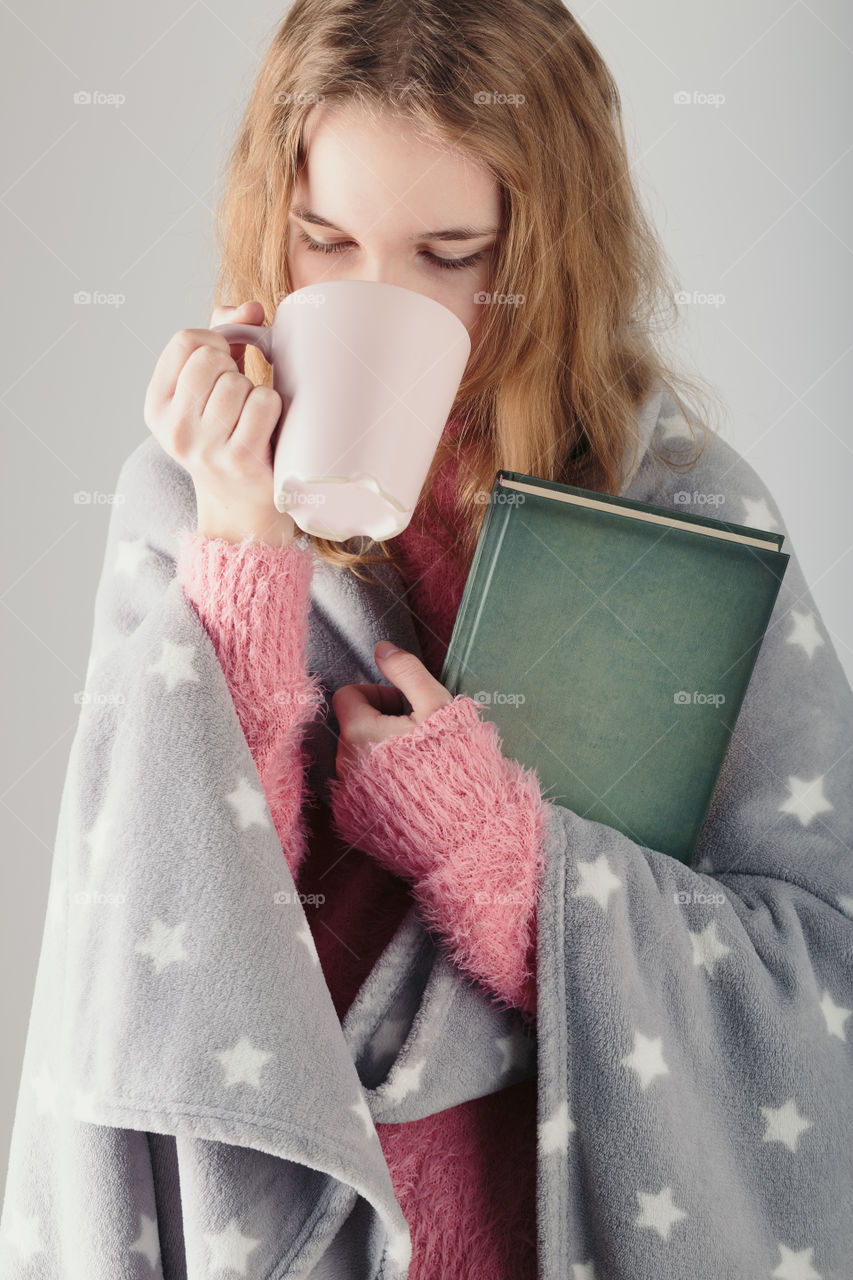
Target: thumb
411, 677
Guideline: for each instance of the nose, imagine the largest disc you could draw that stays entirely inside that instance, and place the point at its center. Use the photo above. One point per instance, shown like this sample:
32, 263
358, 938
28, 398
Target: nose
380, 271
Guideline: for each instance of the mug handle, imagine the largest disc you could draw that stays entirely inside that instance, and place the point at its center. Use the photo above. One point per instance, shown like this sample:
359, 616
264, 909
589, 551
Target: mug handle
257, 335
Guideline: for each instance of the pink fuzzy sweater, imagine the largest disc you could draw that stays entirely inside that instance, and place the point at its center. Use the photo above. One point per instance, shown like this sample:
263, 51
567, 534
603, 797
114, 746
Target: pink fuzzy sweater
436, 814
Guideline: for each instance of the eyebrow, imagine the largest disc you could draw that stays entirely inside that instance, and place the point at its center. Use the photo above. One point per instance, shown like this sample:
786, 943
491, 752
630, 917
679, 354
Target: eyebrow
449, 233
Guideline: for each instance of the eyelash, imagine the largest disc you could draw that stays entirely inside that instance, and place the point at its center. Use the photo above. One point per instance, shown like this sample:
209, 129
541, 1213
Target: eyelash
444, 264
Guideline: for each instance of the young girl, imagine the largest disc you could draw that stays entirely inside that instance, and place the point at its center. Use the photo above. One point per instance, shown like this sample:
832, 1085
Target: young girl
420, 147
475, 155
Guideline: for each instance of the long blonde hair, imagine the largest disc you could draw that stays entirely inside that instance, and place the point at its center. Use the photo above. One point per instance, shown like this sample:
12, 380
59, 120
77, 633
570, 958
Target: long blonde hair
552, 385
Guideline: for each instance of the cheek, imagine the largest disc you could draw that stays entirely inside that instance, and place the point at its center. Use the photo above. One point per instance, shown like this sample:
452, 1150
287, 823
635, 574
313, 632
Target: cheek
475, 311
464, 304
466, 310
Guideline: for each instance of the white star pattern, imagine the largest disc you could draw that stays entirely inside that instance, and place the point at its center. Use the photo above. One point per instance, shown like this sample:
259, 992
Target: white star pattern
646, 1058
175, 664
129, 555
805, 632
795, 1265
243, 1063
362, 1110
806, 800
399, 1247
306, 937
84, 1101
164, 944
758, 515
835, 1016
23, 1233
250, 805
638, 981
148, 1241
785, 1124
658, 1212
229, 1249
403, 1081
554, 1133
47, 1091
515, 1049
707, 947
597, 881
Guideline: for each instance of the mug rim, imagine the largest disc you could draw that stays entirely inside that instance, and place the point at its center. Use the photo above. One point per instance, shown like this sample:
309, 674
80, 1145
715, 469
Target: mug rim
385, 284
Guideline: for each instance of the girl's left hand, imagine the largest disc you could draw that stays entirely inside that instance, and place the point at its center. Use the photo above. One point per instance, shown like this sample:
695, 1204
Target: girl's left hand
369, 713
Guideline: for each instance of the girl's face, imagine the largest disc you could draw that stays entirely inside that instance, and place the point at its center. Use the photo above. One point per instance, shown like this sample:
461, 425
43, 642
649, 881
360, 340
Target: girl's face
374, 197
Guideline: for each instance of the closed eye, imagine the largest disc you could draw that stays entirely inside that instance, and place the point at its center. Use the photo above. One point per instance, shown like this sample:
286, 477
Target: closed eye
444, 264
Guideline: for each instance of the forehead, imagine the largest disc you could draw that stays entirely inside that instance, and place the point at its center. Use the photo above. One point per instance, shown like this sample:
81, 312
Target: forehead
381, 167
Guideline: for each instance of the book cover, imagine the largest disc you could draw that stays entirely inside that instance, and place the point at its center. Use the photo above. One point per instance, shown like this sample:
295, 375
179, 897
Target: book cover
612, 643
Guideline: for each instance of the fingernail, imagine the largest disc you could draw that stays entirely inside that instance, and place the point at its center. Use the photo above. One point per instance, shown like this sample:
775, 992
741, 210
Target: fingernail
385, 647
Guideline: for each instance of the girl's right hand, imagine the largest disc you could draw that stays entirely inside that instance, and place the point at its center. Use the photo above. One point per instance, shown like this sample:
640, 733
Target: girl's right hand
218, 425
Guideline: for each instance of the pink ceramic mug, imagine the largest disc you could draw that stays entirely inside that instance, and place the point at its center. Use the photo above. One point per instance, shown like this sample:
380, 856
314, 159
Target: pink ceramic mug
367, 373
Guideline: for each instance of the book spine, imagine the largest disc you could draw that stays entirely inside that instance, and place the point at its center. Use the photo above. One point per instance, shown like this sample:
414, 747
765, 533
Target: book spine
476, 588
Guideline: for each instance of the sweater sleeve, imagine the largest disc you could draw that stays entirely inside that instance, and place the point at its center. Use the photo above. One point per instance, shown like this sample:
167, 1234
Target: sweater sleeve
253, 600
442, 806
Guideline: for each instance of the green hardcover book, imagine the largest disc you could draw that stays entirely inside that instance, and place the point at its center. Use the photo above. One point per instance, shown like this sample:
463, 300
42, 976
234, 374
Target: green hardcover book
612, 643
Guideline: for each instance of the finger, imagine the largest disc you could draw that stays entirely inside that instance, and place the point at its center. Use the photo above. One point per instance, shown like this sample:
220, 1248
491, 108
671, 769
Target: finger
225, 403
353, 709
199, 379
171, 363
250, 312
355, 704
258, 419
410, 676
384, 697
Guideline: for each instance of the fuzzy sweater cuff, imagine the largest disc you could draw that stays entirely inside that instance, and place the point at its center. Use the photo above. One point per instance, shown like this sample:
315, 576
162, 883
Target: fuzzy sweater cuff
442, 806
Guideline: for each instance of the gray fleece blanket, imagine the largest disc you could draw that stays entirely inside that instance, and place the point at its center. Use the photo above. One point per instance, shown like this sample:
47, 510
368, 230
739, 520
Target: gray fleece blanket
190, 1104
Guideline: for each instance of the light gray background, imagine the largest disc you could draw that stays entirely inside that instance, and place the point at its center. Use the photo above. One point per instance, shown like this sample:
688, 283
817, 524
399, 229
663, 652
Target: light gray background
752, 199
